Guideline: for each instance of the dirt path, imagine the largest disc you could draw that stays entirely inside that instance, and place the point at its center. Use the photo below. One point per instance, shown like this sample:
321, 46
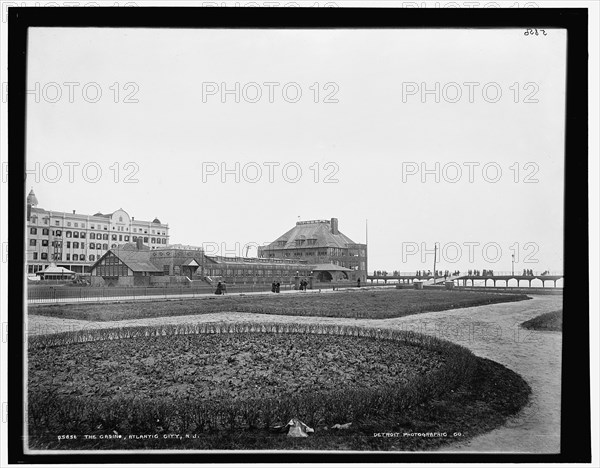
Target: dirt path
490, 331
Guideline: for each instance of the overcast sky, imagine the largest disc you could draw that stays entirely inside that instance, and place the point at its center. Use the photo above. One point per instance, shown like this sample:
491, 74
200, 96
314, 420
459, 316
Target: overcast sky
355, 154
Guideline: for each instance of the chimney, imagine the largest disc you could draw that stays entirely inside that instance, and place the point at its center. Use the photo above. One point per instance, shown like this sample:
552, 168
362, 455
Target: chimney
139, 242
334, 226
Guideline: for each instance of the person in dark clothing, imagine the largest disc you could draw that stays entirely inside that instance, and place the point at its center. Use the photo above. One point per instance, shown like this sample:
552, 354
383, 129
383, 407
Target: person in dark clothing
358, 282
277, 287
219, 288
273, 286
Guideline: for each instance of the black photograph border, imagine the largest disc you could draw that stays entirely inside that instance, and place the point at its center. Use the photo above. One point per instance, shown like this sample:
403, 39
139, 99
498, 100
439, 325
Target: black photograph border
575, 399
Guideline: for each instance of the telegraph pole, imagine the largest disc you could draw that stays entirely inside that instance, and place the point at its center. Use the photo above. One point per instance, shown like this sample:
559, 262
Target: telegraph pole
366, 249
434, 261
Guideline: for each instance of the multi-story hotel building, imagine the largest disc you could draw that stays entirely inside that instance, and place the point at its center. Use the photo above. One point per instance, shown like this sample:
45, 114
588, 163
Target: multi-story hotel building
76, 241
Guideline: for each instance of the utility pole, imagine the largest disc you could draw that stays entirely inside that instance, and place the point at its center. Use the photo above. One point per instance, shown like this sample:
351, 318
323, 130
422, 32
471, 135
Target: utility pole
366, 249
434, 262
513, 264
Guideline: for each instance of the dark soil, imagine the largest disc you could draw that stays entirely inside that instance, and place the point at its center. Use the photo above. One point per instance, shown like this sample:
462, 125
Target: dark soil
238, 366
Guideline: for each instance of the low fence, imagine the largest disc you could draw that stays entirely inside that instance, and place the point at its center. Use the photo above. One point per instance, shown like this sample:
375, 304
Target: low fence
94, 294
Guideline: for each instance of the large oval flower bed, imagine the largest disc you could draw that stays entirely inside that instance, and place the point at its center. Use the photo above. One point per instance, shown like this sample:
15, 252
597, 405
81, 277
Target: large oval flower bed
231, 383
238, 366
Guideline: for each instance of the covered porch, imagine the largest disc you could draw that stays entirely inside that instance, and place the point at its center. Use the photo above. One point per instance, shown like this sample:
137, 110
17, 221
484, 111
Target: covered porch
53, 272
329, 272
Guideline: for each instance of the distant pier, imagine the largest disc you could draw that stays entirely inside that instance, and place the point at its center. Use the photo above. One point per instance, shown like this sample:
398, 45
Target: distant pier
463, 280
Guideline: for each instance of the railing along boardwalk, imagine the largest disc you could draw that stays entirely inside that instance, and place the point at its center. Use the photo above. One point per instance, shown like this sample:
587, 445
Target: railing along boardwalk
464, 280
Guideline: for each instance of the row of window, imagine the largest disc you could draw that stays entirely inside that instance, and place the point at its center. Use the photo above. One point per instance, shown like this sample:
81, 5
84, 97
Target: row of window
76, 257
81, 235
34, 220
251, 272
75, 245
111, 270
44, 220
111, 266
331, 251
298, 242
145, 231
58, 233
322, 253
79, 245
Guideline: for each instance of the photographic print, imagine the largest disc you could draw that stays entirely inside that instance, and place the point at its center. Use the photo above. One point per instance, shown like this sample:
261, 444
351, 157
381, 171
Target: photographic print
280, 239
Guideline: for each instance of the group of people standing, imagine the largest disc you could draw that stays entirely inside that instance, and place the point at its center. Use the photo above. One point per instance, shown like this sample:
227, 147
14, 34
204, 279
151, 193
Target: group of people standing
303, 285
439, 273
481, 272
221, 288
275, 287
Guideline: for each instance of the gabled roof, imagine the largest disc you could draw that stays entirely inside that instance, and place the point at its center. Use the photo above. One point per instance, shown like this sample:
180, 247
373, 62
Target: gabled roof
190, 262
52, 269
135, 260
304, 230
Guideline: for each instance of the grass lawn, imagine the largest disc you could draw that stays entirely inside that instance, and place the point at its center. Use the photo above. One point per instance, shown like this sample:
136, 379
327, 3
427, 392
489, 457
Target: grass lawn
348, 304
550, 321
